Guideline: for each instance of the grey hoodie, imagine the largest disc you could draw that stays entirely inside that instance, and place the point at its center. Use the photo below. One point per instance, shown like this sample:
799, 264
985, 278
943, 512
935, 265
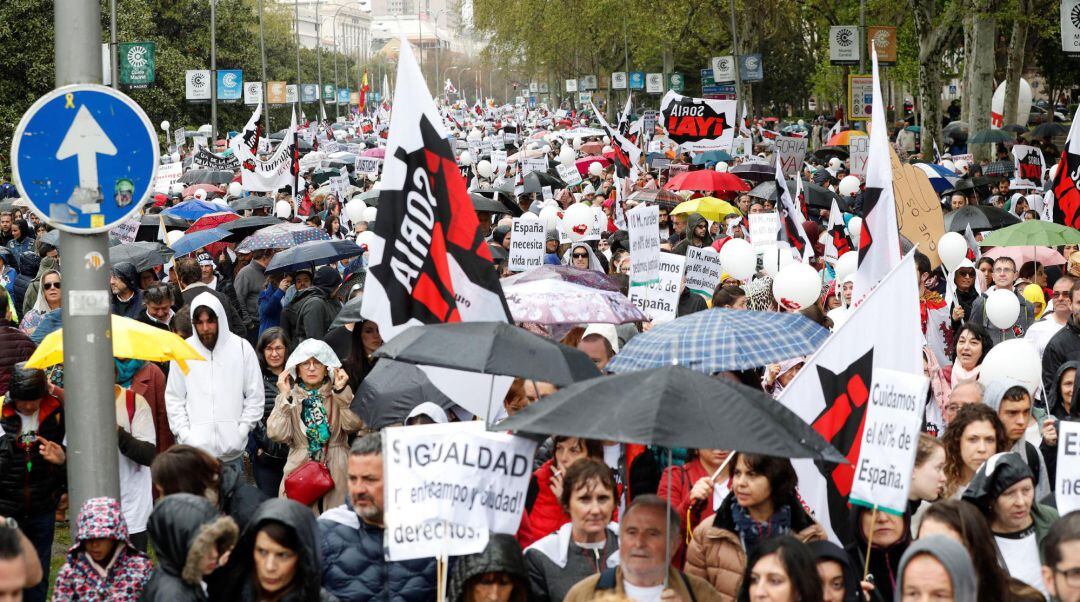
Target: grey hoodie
993, 393
953, 557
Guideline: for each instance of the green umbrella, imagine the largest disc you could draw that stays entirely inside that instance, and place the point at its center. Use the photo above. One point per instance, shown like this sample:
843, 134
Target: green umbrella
988, 136
1033, 233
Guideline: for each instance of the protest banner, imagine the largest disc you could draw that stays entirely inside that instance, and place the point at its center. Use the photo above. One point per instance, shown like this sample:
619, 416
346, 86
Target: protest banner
858, 153
644, 231
205, 159
890, 436
918, 210
534, 164
547, 194
569, 174
369, 166
527, 240
660, 300
447, 485
339, 185
742, 147
1030, 164
764, 228
791, 152
167, 175
699, 123
498, 157
1067, 480
703, 270
127, 230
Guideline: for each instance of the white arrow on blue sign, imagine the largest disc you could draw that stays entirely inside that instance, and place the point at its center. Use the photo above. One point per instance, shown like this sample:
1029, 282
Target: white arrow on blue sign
85, 157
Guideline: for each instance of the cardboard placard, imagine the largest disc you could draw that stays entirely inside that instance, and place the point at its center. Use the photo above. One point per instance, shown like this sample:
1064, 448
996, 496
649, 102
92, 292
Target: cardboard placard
527, 240
660, 301
918, 211
167, 175
858, 153
792, 152
534, 164
703, 270
1067, 480
764, 228
369, 166
569, 174
644, 231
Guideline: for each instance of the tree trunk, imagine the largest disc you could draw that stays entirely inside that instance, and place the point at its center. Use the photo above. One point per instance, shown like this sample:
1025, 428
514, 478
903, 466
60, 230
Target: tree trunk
1014, 66
984, 32
965, 91
934, 32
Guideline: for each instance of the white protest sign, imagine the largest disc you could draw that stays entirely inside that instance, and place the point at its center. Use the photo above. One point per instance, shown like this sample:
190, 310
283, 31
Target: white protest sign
369, 166
547, 194
644, 230
339, 185
126, 230
791, 151
167, 175
498, 157
1067, 481
527, 240
703, 270
764, 228
887, 454
858, 153
447, 485
742, 147
569, 174
660, 301
535, 164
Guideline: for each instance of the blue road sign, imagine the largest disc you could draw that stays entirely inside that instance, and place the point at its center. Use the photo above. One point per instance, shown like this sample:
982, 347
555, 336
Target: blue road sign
85, 157
230, 84
637, 80
309, 92
343, 96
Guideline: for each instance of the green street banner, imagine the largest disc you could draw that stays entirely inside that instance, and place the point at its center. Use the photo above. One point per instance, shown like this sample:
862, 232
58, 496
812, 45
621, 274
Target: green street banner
136, 64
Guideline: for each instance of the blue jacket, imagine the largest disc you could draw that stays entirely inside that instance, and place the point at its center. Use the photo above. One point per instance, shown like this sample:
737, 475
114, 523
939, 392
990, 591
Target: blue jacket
270, 307
355, 570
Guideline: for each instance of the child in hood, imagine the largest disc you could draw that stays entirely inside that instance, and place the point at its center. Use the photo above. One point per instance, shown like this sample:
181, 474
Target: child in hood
102, 564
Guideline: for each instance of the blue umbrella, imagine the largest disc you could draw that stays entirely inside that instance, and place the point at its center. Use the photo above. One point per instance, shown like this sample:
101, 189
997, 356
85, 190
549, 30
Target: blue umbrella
941, 178
312, 253
721, 339
197, 240
194, 209
713, 156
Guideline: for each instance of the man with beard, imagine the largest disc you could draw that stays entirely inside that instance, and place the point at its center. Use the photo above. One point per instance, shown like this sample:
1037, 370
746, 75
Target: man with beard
219, 400
354, 566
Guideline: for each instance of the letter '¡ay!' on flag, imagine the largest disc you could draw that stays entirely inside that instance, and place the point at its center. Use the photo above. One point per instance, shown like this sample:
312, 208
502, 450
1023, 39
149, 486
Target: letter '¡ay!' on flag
429, 262
833, 390
879, 241
1066, 201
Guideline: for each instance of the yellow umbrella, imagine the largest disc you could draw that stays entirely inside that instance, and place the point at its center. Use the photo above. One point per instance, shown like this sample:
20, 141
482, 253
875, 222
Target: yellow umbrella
131, 339
711, 208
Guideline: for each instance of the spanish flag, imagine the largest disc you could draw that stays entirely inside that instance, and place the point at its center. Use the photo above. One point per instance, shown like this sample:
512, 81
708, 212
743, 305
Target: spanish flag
364, 87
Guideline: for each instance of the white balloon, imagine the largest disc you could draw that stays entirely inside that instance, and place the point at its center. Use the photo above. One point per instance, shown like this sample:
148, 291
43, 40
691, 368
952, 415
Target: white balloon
721, 166
1016, 359
1023, 101
595, 169
838, 315
283, 209
365, 239
172, 236
952, 248
529, 216
948, 164
1053, 172
567, 155
369, 214
607, 140
354, 210
854, 228
550, 217
577, 143
466, 158
577, 221
1002, 308
849, 186
485, 168
846, 265
606, 150
178, 189
774, 259
797, 286
235, 190
738, 259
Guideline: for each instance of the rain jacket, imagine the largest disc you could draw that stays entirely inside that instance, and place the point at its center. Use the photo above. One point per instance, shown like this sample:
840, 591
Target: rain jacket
239, 582
308, 315
183, 528
545, 513
131, 308
27, 271
1057, 414
218, 401
502, 555
29, 484
355, 568
236, 323
829, 551
237, 498
126, 573
1063, 346
956, 560
1023, 321
689, 241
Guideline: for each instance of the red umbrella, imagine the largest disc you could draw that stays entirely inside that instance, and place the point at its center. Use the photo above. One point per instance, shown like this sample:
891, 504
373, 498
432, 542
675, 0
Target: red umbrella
212, 220
209, 188
379, 152
707, 180
592, 148
583, 163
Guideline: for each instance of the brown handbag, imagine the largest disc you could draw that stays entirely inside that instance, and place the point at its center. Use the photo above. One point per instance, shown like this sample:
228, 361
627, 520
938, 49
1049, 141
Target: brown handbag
309, 483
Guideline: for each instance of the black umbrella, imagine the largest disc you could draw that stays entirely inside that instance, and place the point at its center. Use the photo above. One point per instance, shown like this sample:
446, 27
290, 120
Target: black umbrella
349, 313
206, 176
1015, 127
820, 197
533, 182
370, 197
490, 348
314, 252
252, 202
144, 255
990, 136
754, 172
979, 217
246, 226
673, 407
826, 152
506, 199
1049, 130
483, 203
391, 390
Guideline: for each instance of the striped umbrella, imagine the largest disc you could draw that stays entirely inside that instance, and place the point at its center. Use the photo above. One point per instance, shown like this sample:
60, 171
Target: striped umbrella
941, 178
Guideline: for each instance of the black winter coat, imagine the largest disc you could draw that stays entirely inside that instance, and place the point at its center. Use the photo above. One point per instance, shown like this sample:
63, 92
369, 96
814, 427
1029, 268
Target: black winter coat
308, 316
28, 269
1062, 347
238, 499
15, 347
182, 528
502, 555
35, 490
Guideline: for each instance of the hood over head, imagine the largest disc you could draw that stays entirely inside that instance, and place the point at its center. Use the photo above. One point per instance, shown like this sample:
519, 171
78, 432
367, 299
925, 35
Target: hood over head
182, 528
998, 473
47, 264
953, 556
1053, 396
995, 390
827, 550
298, 519
127, 273
594, 262
502, 555
211, 301
328, 279
40, 304
312, 348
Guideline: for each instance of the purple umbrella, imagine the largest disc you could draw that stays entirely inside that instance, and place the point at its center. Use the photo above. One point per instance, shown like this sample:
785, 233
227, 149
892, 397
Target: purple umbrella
565, 273
281, 236
558, 302
374, 152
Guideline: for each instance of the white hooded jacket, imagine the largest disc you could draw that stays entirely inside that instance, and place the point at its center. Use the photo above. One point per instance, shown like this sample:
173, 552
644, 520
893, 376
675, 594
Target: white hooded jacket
215, 405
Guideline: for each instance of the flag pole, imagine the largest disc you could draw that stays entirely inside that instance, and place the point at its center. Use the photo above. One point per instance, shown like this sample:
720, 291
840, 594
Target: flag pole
869, 543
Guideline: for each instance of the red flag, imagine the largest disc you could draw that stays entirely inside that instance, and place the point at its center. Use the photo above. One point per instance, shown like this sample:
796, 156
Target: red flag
1066, 194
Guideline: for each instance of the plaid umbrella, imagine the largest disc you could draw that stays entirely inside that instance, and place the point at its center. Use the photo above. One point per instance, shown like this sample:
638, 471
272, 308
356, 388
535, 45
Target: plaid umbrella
558, 302
281, 236
721, 339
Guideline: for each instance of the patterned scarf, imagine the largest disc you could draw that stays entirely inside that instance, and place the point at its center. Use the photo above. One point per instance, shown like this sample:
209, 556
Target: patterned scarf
316, 424
752, 532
